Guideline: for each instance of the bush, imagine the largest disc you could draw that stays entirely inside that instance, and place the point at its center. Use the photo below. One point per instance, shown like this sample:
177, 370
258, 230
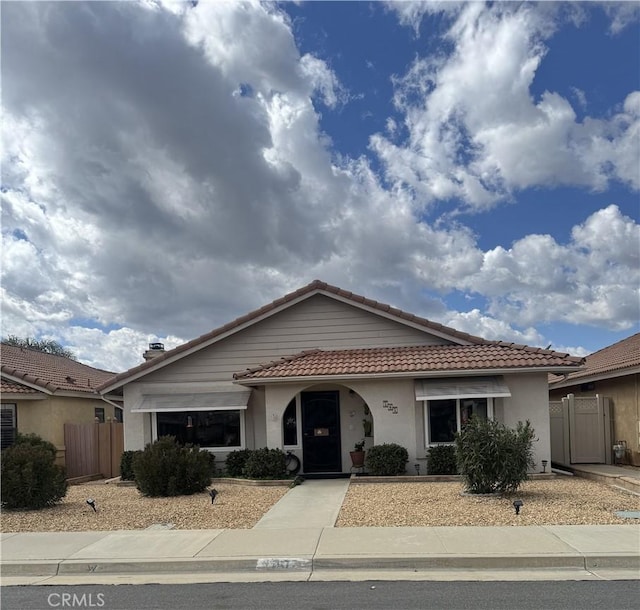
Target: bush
236, 461
30, 477
35, 441
441, 459
165, 468
386, 460
493, 458
266, 464
126, 465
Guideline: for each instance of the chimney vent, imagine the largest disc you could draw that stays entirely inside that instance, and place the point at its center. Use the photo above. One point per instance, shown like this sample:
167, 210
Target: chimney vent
155, 350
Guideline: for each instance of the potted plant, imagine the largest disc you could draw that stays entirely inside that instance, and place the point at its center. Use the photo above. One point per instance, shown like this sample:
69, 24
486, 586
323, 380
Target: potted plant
357, 455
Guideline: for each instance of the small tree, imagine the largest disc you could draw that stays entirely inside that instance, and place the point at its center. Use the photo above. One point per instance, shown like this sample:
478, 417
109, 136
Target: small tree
30, 477
493, 458
166, 468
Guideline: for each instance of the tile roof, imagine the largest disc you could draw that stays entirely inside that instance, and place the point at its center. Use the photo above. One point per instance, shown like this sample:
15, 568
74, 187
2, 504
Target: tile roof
622, 355
49, 372
308, 290
7, 387
418, 359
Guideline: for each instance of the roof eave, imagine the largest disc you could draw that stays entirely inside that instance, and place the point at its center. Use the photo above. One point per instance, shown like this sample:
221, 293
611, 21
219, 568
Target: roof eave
29, 384
400, 375
590, 378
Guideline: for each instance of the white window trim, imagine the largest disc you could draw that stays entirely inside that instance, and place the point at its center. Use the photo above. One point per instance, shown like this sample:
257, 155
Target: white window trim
298, 445
243, 442
425, 416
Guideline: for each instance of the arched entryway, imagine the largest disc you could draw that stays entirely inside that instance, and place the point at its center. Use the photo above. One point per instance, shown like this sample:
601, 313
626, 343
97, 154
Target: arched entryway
327, 420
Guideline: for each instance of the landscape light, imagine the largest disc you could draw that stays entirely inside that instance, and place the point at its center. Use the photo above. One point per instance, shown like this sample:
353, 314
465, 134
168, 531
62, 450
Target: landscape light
213, 493
544, 465
517, 504
417, 468
92, 503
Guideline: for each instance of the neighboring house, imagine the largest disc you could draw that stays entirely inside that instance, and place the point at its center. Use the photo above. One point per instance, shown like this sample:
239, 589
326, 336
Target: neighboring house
614, 373
41, 392
305, 373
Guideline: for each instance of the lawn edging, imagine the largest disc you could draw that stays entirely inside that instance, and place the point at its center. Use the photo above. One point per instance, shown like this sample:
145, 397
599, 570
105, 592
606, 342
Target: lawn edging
359, 479
252, 482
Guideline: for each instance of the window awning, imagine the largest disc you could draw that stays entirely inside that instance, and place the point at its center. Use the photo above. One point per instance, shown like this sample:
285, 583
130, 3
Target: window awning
233, 397
461, 387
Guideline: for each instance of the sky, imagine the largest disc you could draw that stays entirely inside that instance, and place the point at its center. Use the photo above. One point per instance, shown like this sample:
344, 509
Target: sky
170, 166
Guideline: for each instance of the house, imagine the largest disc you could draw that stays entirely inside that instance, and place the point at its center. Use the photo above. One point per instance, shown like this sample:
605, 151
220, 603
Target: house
320, 369
41, 392
612, 372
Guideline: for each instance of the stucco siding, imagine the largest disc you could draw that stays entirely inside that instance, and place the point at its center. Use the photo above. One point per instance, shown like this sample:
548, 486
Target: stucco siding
530, 401
47, 417
319, 322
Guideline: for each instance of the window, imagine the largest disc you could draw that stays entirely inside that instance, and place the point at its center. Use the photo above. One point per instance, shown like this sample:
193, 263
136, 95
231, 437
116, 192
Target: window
290, 424
7, 425
117, 414
443, 418
216, 429
98, 414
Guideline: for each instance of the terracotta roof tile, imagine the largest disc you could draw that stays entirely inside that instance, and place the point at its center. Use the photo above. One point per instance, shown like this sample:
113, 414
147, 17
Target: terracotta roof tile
421, 358
7, 386
622, 355
311, 288
48, 371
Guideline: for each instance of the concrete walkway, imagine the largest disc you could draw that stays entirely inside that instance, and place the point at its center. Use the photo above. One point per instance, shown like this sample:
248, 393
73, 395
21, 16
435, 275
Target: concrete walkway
316, 503
627, 478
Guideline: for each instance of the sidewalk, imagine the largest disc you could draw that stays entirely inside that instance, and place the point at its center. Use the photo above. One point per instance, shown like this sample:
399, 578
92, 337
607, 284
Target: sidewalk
296, 540
45, 557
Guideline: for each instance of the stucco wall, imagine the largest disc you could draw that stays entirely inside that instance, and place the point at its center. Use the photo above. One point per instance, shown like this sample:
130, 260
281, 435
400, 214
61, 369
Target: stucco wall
624, 393
47, 417
530, 401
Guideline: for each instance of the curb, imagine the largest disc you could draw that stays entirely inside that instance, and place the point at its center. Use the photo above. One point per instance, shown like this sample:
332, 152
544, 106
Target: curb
308, 564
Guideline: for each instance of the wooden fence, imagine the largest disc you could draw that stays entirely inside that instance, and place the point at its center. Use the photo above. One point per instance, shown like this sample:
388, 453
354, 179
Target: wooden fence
92, 449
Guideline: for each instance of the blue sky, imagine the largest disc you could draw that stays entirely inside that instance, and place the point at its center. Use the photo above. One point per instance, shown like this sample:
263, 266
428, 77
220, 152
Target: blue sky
169, 167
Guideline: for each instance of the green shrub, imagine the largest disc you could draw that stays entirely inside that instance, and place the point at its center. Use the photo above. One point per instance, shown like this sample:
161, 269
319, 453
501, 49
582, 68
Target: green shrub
493, 458
30, 477
441, 459
126, 465
386, 460
236, 461
266, 464
35, 441
165, 468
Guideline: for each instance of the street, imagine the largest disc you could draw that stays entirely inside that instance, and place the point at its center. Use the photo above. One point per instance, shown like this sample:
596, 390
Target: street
371, 595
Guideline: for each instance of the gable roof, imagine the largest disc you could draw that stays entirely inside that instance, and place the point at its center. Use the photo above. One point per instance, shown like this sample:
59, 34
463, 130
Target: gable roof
621, 358
315, 287
23, 367
419, 359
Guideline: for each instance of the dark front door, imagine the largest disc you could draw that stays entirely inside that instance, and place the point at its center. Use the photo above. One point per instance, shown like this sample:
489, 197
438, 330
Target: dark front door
321, 431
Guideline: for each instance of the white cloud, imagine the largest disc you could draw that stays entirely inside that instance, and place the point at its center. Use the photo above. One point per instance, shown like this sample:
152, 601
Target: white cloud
170, 182
477, 134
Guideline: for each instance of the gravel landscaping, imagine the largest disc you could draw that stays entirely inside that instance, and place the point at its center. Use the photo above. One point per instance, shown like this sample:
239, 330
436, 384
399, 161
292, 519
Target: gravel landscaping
124, 508
561, 501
